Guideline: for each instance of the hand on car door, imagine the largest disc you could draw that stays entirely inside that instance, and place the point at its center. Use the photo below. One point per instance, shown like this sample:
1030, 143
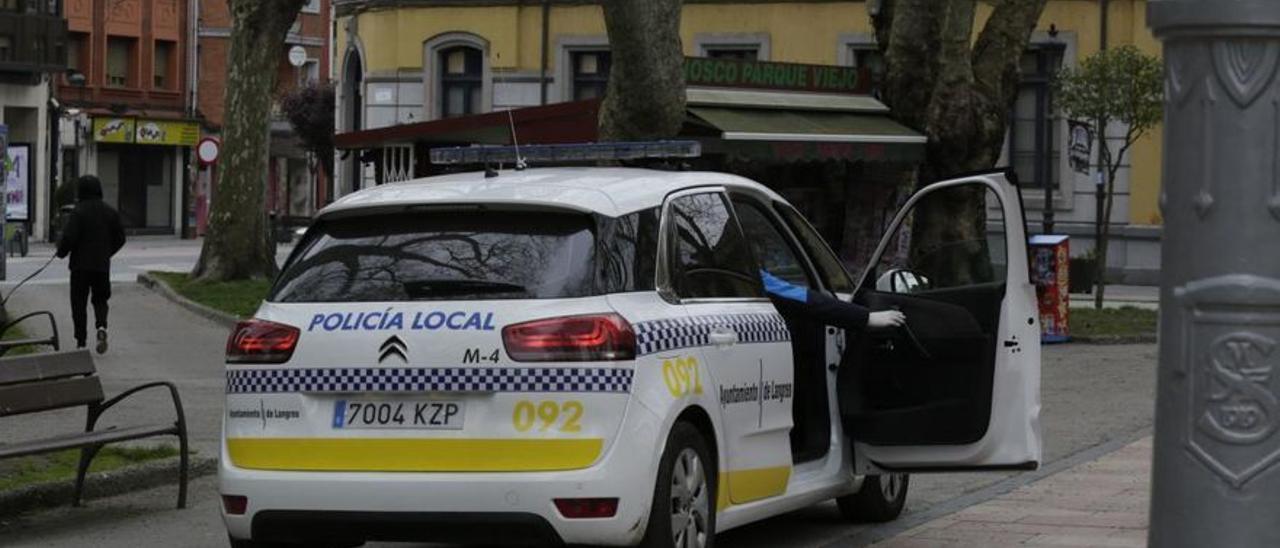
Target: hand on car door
886, 318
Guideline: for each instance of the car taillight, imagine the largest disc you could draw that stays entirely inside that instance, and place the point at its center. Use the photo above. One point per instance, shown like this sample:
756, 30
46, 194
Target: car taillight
587, 508
596, 337
235, 505
261, 341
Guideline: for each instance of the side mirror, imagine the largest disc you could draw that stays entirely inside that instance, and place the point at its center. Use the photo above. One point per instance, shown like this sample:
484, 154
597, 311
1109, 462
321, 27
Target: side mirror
900, 280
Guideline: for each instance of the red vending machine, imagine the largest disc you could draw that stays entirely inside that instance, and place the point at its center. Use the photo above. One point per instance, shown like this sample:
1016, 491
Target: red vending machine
1050, 256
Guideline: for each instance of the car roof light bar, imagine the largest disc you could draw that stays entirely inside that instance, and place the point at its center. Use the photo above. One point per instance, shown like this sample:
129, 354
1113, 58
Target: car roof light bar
584, 152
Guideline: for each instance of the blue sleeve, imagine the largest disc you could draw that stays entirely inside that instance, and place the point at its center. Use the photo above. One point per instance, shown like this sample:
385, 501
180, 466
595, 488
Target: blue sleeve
780, 288
793, 299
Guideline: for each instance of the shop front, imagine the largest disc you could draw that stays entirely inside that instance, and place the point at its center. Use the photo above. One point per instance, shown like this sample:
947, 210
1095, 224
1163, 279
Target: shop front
141, 163
811, 132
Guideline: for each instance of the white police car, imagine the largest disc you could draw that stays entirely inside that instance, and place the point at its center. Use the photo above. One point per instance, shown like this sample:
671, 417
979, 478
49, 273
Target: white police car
585, 355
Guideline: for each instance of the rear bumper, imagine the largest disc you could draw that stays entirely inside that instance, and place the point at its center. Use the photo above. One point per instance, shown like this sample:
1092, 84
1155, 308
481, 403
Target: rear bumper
453, 506
496, 528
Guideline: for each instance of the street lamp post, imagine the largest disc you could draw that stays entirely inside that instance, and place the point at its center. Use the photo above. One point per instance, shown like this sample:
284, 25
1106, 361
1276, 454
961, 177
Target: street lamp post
1216, 472
1050, 61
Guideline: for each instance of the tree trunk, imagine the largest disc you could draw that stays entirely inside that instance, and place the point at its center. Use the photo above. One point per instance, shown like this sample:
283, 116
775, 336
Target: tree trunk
1103, 224
959, 96
1111, 167
645, 97
239, 244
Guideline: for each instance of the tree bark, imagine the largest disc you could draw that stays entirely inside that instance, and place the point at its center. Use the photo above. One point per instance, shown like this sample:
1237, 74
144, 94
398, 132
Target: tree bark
239, 244
959, 96
1110, 168
1103, 228
645, 97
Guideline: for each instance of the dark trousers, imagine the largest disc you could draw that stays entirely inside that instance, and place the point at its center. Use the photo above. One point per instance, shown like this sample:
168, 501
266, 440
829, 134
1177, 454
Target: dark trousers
83, 284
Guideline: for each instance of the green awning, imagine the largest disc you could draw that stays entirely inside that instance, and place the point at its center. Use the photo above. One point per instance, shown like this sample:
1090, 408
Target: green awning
791, 135
743, 124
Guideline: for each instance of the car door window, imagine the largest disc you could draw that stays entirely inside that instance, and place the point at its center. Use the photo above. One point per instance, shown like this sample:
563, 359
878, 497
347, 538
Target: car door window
829, 267
773, 250
941, 257
709, 254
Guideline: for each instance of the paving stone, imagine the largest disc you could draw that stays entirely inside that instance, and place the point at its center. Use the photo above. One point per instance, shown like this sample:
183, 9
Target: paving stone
1032, 528
1079, 540
988, 538
1100, 503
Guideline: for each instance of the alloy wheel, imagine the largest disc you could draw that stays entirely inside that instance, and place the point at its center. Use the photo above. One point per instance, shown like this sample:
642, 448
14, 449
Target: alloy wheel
690, 501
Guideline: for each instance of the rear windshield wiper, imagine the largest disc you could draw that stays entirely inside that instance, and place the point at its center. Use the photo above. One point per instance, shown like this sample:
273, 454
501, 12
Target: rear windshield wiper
430, 289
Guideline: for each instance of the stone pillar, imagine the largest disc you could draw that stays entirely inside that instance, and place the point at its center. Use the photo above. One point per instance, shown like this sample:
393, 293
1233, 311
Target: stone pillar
1216, 476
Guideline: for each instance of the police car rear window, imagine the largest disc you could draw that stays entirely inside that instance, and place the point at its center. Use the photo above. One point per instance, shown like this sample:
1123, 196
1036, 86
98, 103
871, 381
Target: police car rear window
443, 256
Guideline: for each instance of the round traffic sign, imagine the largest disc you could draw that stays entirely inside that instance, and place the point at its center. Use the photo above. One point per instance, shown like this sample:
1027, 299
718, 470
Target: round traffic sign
297, 56
207, 150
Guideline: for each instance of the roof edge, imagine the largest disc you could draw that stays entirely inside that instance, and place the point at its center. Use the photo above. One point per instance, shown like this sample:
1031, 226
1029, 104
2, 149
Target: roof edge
783, 100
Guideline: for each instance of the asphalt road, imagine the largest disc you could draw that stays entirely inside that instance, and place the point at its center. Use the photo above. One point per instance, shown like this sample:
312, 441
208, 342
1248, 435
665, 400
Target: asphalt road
1092, 395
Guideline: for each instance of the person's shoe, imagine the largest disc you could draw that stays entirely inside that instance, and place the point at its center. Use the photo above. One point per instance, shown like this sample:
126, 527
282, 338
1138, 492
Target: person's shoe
102, 340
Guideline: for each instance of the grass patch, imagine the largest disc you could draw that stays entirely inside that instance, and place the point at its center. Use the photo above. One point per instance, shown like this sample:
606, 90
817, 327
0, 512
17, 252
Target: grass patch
62, 465
240, 298
16, 332
1113, 322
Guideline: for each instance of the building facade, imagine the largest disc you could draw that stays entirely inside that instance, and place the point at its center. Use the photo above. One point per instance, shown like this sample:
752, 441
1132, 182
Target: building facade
128, 118
413, 60
296, 183
33, 50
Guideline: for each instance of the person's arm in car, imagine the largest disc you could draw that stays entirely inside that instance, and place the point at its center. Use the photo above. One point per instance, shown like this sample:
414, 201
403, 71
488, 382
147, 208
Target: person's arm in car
828, 310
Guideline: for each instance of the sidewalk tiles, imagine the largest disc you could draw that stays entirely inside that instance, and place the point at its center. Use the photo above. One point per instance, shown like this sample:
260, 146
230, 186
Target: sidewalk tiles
1098, 503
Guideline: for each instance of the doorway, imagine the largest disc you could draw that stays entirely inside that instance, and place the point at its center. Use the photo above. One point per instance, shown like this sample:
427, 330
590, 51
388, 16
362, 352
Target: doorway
138, 182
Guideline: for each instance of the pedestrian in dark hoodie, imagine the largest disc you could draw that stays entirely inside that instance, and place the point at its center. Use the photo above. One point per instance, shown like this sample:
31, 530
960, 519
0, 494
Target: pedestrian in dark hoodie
92, 235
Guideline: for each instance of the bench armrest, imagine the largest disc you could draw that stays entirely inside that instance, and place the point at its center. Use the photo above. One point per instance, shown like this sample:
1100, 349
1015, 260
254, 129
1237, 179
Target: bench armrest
97, 410
53, 326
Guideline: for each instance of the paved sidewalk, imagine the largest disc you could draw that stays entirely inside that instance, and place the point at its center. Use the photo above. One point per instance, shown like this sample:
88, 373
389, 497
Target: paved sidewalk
1098, 503
140, 254
151, 339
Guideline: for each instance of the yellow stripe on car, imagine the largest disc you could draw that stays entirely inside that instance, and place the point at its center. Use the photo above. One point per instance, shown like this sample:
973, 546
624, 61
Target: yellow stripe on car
743, 486
413, 455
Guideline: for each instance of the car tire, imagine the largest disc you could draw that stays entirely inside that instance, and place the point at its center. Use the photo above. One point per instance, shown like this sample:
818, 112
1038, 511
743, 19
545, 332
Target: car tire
880, 499
686, 488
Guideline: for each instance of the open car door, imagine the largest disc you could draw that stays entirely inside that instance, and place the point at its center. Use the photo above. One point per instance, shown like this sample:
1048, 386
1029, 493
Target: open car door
957, 388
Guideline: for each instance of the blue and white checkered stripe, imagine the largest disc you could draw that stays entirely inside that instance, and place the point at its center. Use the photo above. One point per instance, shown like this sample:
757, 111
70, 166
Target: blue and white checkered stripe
451, 379
670, 334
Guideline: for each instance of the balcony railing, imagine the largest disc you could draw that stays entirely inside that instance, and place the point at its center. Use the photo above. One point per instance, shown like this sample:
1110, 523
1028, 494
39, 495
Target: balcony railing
31, 43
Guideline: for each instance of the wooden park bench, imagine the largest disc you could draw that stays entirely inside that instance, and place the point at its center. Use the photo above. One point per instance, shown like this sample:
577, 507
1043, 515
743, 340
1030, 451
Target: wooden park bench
60, 380
50, 341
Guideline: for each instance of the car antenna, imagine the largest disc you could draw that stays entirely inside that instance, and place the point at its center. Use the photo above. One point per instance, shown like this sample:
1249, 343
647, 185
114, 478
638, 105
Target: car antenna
511, 119
511, 122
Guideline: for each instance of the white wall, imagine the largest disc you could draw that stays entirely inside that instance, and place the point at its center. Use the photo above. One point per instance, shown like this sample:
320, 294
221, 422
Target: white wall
36, 132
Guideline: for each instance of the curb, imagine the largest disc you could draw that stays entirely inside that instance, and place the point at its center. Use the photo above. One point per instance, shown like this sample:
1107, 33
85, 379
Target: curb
1116, 339
217, 316
103, 484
